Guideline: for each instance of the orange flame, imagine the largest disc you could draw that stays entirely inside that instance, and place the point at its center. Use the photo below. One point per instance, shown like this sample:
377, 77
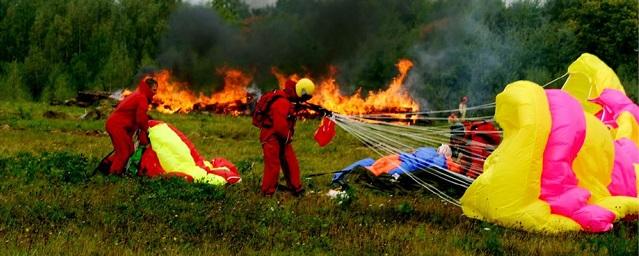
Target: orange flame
282, 78
175, 96
392, 100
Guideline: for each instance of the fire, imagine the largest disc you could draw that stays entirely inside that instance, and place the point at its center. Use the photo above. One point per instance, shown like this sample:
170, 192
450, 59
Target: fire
282, 78
395, 99
173, 96
176, 97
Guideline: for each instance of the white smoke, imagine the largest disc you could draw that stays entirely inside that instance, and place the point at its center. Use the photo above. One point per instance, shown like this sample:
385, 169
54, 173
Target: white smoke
461, 57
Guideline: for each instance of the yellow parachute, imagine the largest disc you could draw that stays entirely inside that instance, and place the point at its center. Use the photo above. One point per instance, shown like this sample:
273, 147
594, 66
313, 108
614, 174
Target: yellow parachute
559, 167
589, 76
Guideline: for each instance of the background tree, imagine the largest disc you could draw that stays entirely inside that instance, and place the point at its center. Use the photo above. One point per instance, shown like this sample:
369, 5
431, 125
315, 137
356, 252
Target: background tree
51, 48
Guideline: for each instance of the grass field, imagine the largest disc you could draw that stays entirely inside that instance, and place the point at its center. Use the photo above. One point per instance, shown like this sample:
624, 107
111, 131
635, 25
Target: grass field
49, 206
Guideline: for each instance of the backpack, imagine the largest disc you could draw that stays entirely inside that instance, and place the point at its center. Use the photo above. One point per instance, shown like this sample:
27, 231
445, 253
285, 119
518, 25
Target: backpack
261, 118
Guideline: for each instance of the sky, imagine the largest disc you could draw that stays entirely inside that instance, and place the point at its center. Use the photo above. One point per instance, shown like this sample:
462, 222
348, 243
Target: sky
262, 3
252, 3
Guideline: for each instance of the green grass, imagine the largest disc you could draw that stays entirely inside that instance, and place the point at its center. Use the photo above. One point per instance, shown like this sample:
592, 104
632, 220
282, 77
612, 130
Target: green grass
48, 205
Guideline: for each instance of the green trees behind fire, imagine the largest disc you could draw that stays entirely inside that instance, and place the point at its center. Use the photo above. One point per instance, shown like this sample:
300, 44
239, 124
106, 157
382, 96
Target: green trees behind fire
52, 48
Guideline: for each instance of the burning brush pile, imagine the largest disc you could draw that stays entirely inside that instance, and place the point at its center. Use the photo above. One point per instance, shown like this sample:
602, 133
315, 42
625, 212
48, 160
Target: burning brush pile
233, 99
238, 98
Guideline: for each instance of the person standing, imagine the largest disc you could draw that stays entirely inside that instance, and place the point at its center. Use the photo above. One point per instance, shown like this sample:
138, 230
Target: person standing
462, 107
275, 116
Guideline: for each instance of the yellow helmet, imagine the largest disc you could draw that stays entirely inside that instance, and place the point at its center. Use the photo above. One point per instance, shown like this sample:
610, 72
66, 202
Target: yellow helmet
304, 87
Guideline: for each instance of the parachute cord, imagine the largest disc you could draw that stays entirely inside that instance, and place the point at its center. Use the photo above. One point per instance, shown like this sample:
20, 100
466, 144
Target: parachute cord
386, 144
389, 149
555, 80
428, 187
482, 106
379, 142
433, 138
422, 139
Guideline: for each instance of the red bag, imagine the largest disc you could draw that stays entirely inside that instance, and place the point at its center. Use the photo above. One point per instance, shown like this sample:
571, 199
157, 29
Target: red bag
261, 118
325, 132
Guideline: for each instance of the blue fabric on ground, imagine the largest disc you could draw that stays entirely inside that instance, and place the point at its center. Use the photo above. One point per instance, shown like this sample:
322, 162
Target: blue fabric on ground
364, 163
422, 158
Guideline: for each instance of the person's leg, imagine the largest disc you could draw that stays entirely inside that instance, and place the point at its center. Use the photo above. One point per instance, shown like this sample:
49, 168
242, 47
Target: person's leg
271, 150
123, 148
291, 168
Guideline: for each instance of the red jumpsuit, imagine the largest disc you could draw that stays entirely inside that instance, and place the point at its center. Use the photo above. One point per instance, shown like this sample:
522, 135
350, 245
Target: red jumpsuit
129, 116
276, 144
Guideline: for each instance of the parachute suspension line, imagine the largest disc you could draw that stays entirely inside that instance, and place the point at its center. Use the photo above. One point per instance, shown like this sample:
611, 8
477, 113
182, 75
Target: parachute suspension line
420, 115
482, 106
555, 80
421, 129
394, 150
414, 138
428, 138
385, 138
446, 118
385, 144
443, 175
428, 187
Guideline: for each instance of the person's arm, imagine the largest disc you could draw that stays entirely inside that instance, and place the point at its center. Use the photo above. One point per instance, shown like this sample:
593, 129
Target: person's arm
317, 108
142, 121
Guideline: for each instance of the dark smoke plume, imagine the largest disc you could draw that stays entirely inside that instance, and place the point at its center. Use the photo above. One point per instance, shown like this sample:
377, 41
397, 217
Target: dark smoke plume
298, 36
194, 44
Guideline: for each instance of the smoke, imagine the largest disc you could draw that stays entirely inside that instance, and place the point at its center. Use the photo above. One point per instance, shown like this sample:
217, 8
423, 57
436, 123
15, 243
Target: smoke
461, 54
304, 37
195, 43
456, 47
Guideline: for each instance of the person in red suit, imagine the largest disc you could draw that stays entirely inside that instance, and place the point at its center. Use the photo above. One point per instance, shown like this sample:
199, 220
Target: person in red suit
128, 117
276, 137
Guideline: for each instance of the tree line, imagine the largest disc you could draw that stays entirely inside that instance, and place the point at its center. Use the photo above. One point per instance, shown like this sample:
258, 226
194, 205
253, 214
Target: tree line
53, 48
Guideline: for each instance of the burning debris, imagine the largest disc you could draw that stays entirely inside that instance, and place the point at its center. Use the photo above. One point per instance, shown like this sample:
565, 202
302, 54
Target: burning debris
395, 99
237, 96
234, 98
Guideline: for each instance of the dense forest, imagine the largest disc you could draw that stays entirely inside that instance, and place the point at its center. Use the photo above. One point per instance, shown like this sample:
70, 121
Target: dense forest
50, 49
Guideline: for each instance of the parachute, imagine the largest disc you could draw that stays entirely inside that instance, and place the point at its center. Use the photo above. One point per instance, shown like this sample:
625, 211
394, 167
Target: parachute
552, 171
559, 167
589, 76
568, 159
172, 154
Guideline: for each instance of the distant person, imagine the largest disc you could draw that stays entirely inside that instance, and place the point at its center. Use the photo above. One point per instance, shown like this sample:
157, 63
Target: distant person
452, 118
462, 107
128, 117
457, 135
275, 116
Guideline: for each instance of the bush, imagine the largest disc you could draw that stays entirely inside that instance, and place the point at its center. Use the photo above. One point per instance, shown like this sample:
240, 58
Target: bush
12, 86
